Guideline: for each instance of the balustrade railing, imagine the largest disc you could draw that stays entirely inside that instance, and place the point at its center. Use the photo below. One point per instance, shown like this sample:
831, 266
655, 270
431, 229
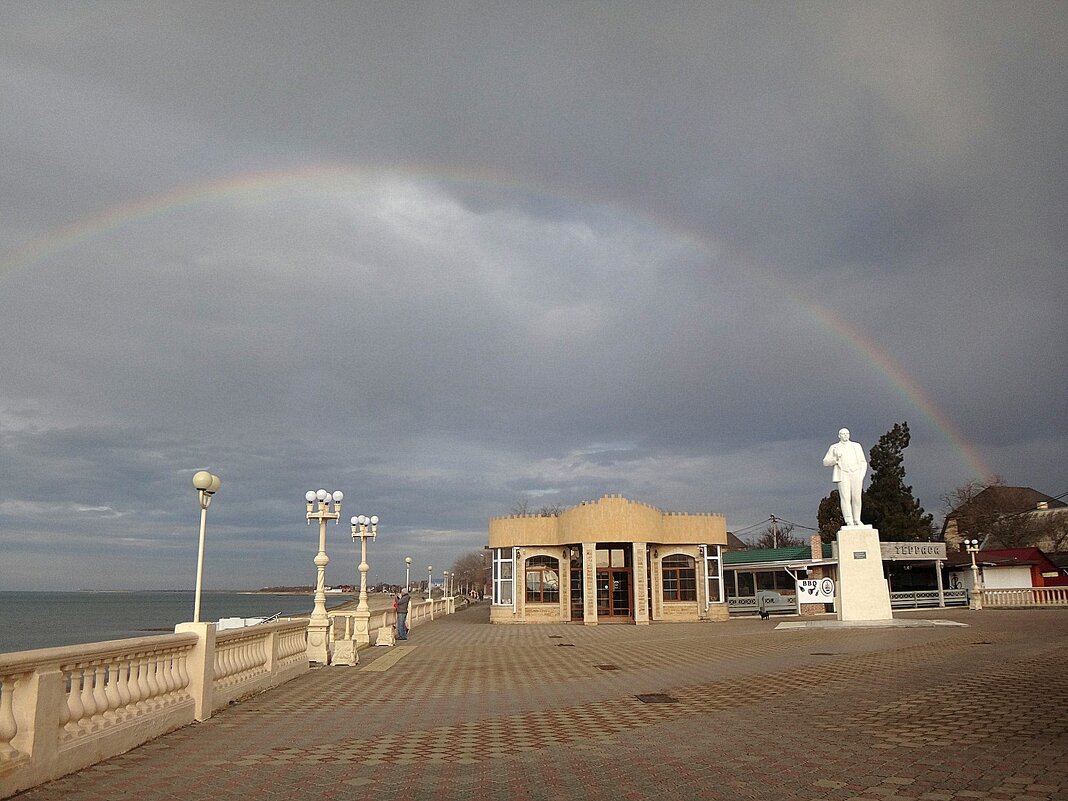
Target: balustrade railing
1016, 597
63, 709
343, 628
916, 599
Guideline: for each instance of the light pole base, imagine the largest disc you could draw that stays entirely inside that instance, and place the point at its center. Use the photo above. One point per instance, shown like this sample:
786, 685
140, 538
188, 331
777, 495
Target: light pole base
319, 642
345, 653
361, 627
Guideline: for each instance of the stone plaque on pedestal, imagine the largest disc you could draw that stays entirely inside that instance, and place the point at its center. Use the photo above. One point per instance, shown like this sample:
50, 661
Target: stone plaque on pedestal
862, 592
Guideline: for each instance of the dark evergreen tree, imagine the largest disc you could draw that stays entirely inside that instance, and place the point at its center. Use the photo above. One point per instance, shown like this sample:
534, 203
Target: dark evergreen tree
888, 503
829, 517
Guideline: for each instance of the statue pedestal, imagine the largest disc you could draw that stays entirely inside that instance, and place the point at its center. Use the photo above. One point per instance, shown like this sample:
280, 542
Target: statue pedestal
862, 592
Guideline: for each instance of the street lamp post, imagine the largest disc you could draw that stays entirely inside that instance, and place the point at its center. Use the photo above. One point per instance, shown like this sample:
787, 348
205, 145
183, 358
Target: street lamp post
407, 573
322, 506
363, 527
444, 583
206, 485
430, 588
977, 596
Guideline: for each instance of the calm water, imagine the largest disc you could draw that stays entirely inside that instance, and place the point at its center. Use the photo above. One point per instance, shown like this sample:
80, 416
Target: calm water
44, 619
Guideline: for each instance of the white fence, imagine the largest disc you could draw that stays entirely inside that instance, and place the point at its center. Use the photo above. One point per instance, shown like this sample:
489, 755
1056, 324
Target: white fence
1014, 598
63, 709
777, 603
343, 622
927, 598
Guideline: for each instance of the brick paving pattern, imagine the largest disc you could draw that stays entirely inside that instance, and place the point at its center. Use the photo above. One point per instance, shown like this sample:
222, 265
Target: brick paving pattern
738, 710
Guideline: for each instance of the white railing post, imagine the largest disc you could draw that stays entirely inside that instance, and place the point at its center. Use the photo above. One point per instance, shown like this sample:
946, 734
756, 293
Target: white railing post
38, 699
200, 666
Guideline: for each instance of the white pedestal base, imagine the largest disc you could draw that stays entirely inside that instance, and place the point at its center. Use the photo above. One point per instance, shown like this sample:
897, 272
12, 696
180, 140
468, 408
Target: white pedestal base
319, 641
345, 653
862, 592
387, 635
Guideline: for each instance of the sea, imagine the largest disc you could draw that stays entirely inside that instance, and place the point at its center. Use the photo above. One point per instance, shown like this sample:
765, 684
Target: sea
45, 619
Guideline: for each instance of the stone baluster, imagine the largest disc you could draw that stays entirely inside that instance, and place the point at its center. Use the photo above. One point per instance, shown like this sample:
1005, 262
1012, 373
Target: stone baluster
225, 664
155, 689
100, 696
8, 727
181, 681
75, 710
88, 701
133, 685
144, 702
123, 687
111, 690
183, 671
163, 678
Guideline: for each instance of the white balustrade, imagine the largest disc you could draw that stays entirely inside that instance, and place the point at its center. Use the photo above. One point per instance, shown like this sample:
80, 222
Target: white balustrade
107, 690
63, 709
1016, 597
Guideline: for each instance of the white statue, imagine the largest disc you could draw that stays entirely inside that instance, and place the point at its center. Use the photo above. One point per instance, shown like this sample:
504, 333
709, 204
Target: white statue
850, 467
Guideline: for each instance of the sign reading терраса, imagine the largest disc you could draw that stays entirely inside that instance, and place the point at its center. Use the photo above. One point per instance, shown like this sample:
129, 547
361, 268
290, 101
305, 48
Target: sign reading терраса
927, 551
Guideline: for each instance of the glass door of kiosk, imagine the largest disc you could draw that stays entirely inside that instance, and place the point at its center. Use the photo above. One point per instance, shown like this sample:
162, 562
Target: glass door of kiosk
578, 576
615, 597
613, 594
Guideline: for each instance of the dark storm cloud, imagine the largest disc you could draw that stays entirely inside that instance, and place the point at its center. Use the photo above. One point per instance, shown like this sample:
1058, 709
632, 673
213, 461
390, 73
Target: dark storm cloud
546, 251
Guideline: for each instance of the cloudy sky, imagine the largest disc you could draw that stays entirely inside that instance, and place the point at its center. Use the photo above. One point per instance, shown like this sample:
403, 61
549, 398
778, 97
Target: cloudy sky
449, 256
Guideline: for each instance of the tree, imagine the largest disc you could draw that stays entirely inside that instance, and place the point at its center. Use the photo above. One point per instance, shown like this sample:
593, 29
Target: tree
470, 570
1003, 517
829, 517
888, 503
777, 535
522, 507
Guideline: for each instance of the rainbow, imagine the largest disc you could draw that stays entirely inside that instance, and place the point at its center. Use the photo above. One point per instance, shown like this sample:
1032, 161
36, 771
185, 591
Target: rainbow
321, 177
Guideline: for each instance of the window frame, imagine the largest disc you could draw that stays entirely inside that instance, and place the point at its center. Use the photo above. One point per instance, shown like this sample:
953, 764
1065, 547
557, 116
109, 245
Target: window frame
539, 565
504, 577
683, 577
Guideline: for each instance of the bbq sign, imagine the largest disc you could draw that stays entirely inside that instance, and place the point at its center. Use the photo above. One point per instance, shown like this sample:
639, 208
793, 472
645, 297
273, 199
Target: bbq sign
815, 591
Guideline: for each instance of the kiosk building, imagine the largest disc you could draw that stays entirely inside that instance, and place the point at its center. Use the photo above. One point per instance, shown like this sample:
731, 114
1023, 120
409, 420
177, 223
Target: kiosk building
608, 561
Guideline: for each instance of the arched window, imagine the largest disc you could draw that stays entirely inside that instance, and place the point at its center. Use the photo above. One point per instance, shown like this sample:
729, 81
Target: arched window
680, 578
543, 580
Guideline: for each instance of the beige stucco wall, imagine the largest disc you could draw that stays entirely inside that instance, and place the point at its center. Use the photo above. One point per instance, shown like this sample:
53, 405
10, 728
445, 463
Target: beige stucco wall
611, 519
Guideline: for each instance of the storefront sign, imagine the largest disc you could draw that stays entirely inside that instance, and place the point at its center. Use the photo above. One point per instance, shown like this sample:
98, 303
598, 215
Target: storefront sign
924, 551
815, 591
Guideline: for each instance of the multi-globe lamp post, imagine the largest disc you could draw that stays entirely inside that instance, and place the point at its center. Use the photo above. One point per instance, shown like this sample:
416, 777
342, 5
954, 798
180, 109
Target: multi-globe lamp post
972, 546
407, 573
363, 527
206, 485
322, 506
430, 588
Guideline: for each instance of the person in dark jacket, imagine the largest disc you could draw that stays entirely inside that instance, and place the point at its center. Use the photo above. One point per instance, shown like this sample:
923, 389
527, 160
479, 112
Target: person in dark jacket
402, 615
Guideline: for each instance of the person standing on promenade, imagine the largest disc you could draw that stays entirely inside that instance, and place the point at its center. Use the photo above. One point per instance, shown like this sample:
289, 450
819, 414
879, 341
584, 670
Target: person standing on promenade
402, 614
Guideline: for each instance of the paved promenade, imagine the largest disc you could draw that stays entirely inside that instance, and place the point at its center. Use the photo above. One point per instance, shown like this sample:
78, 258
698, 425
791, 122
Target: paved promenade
737, 710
